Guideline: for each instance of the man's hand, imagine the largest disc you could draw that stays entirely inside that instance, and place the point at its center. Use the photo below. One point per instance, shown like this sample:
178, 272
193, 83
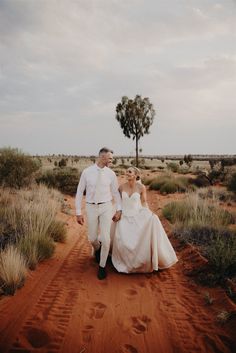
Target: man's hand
117, 216
80, 219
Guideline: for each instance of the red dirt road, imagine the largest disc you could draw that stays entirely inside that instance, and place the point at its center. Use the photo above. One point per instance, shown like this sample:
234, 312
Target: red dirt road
63, 307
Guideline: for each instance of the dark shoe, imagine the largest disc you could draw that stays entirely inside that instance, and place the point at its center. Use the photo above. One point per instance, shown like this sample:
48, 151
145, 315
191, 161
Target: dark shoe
102, 273
97, 255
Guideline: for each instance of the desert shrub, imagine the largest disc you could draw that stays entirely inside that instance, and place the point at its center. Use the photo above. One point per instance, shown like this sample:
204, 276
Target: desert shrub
16, 168
13, 269
183, 170
147, 181
170, 184
57, 231
216, 193
201, 181
216, 176
62, 163
66, 179
188, 159
161, 167
174, 167
222, 255
232, 183
169, 187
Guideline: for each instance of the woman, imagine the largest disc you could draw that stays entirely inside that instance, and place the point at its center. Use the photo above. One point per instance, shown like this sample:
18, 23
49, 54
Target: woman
140, 243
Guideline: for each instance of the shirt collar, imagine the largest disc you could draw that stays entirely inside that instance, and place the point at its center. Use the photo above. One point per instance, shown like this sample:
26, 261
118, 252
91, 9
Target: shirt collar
98, 168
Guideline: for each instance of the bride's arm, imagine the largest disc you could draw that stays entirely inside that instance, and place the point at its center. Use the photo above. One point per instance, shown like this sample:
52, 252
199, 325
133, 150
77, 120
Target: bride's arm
144, 197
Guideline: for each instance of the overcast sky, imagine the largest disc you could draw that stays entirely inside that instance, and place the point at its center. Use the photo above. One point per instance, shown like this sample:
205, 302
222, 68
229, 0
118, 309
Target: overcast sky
64, 66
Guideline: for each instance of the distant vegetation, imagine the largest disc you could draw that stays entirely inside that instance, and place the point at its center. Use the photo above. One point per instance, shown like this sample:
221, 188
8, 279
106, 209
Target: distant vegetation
168, 184
16, 168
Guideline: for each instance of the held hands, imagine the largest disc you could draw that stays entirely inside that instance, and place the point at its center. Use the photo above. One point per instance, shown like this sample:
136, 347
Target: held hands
117, 216
80, 219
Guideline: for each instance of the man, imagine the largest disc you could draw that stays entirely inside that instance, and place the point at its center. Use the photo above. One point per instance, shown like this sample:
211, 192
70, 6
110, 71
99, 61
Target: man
101, 184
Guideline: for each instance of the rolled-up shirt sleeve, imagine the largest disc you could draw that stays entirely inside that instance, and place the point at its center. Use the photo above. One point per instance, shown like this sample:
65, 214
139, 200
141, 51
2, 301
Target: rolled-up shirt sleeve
116, 193
79, 194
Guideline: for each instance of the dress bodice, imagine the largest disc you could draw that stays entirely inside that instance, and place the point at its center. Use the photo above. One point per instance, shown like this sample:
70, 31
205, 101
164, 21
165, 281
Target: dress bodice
130, 204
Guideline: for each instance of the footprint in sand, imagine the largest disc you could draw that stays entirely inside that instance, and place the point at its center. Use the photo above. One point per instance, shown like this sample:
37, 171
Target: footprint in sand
97, 311
130, 293
127, 348
140, 323
87, 333
37, 338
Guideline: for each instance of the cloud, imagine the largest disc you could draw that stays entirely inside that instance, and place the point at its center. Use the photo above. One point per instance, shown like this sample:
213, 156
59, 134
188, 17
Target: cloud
65, 65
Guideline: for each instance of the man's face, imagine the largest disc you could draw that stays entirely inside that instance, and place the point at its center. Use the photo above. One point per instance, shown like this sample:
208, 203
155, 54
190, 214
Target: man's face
106, 159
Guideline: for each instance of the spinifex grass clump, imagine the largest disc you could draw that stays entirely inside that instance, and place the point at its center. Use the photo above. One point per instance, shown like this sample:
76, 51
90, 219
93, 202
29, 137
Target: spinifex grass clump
28, 220
13, 269
195, 211
204, 223
168, 184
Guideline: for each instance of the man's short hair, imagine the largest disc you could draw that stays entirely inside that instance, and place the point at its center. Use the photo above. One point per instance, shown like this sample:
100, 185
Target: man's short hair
105, 150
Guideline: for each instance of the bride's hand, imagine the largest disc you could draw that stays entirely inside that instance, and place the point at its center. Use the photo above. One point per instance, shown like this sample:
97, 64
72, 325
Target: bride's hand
117, 216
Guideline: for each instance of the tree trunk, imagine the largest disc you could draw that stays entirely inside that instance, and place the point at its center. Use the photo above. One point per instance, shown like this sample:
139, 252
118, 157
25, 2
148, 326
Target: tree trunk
136, 140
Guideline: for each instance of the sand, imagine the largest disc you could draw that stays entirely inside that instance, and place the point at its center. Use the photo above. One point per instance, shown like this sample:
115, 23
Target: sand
63, 307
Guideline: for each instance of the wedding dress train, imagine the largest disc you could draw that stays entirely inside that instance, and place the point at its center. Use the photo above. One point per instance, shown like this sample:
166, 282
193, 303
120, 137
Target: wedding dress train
140, 243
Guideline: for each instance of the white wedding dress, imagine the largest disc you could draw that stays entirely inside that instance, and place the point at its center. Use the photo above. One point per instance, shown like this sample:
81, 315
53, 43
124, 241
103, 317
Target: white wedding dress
139, 241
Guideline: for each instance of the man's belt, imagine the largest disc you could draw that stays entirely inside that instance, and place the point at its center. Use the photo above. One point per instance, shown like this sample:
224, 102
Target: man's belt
94, 203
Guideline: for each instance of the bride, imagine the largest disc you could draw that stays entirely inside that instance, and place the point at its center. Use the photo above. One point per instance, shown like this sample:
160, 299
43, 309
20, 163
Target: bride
140, 243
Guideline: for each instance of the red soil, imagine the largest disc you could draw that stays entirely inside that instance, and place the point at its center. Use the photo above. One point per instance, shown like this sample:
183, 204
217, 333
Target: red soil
63, 307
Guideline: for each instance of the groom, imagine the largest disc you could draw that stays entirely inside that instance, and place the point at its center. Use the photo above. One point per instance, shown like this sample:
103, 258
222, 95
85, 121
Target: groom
101, 184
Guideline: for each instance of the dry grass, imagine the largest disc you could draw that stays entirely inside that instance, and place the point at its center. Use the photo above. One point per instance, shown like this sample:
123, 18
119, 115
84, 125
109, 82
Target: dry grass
28, 220
13, 269
195, 211
204, 222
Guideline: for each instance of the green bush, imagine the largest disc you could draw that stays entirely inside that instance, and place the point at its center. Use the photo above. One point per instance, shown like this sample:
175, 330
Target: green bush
222, 255
169, 184
232, 183
147, 181
201, 181
16, 168
66, 179
62, 163
169, 187
174, 167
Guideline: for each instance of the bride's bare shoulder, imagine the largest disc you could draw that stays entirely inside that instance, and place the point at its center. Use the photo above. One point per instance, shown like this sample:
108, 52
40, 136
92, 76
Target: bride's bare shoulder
141, 187
122, 187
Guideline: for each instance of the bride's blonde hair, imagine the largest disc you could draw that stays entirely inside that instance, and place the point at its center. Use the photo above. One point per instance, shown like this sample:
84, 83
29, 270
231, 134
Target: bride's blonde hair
137, 173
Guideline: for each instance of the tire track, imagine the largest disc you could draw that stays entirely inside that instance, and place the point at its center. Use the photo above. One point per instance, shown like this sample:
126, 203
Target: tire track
46, 325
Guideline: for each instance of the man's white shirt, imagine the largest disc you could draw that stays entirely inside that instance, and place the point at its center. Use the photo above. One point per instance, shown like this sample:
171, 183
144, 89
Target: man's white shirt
88, 180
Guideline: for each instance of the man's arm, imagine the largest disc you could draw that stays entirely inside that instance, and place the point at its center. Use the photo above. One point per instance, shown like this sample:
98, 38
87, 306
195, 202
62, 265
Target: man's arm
144, 197
78, 198
116, 193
